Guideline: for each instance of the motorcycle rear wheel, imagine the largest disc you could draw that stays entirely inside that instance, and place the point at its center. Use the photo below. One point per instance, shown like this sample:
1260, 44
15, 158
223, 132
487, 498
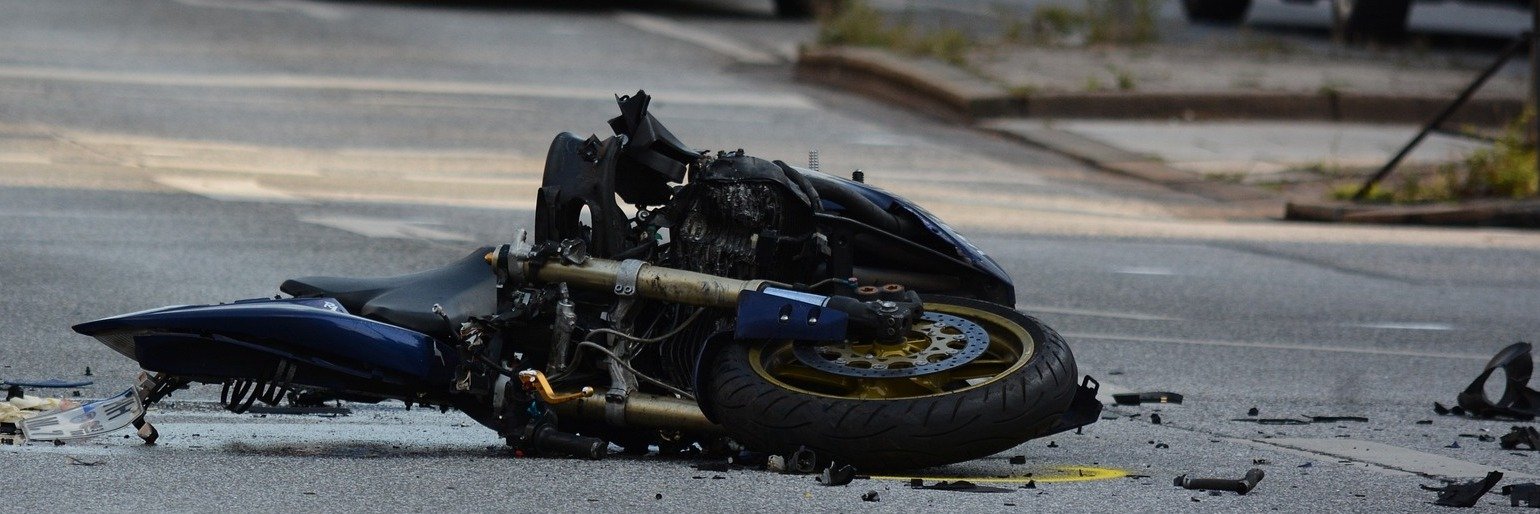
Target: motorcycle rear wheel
769, 400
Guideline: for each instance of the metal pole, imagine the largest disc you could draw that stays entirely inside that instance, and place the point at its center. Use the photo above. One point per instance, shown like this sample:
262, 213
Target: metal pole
1508, 53
1534, 75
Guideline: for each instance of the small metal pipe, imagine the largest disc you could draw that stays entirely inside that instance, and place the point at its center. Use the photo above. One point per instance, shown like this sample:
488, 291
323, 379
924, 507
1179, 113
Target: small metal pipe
644, 410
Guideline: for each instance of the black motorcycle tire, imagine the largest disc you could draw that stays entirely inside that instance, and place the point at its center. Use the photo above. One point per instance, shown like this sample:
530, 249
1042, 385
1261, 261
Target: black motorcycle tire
898, 433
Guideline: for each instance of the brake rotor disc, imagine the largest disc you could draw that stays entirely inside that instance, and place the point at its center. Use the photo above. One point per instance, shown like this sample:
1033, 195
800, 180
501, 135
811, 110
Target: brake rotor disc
936, 343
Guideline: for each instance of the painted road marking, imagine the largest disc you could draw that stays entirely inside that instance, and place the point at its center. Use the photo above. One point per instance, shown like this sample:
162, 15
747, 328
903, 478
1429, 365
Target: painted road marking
1137, 270
709, 40
387, 228
1274, 346
1033, 309
227, 189
1393, 457
369, 84
1397, 325
313, 10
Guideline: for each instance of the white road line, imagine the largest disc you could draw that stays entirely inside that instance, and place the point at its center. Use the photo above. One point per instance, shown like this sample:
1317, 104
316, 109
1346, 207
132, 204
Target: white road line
311, 9
386, 228
663, 95
239, 190
1276, 346
1136, 270
1034, 309
704, 39
1393, 457
1400, 325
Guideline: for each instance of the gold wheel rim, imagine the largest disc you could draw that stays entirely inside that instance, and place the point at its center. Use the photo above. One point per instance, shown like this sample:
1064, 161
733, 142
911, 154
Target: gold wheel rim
1010, 347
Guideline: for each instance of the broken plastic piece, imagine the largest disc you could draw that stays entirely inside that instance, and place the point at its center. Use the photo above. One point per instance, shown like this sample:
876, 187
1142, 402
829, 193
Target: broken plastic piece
1518, 400
803, 461
1253, 411
1466, 494
837, 474
870, 496
957, 485
1273, 421
1242, 486
1155, 418
1337, 419
1147, 397
1019, 460
1526, 436
1525, 495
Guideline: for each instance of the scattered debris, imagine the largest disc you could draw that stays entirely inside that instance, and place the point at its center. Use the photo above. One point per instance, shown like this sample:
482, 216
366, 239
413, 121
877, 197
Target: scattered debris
1147, 397
1525, 495
88, 371
1273, 421
1440, 409
1155, 418
1031, 484
1019, 460
1260, 462
1518, 400
1424, 422
1253, 412
77, 462
803, 461
836, 474
956, 485
1526, 436
870, 496
658, 496
1455, 444
1338, 419
1307, 464
1162, 446
775, 463
1242, 486
1466, 494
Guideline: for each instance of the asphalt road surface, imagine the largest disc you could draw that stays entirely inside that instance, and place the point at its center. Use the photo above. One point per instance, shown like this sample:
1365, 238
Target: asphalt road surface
157, 152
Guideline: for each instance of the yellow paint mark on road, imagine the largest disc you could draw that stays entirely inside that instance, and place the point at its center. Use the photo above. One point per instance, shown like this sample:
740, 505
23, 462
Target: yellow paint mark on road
1043, 475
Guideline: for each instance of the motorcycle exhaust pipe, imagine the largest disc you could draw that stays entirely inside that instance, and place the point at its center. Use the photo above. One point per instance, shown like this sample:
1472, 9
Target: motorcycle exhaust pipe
626, 278
644, 410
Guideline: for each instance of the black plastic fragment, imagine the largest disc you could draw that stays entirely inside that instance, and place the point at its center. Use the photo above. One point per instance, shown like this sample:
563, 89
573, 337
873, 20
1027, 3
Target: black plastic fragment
1518, 400
1019, 460
1424, 422
1526, 436
871, 496
956, 486
1147, 397
1466, 494
803, 461
1253, 411
837, 474
1338, 419
14, 392
1273, 421
1522, 495
1155, 418
1242, 486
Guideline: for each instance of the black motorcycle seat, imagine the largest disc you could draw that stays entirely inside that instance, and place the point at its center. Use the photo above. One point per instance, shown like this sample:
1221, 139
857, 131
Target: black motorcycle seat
463, 289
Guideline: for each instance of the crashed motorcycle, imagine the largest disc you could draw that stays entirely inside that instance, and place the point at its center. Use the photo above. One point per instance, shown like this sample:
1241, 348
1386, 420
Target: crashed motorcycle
735, 303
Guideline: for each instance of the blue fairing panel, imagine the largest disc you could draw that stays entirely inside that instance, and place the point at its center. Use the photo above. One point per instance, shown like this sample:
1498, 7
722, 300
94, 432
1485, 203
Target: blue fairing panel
311, 328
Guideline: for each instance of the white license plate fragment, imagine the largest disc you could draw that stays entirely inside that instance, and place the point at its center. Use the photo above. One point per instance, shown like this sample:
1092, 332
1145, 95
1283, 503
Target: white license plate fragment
87, 420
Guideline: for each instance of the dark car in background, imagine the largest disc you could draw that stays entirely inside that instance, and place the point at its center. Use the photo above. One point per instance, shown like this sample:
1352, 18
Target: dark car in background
1355, 18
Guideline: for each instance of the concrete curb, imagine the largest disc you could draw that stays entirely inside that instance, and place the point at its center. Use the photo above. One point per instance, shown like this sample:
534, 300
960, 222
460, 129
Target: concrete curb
1499, 213
947, 91
1123, 162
